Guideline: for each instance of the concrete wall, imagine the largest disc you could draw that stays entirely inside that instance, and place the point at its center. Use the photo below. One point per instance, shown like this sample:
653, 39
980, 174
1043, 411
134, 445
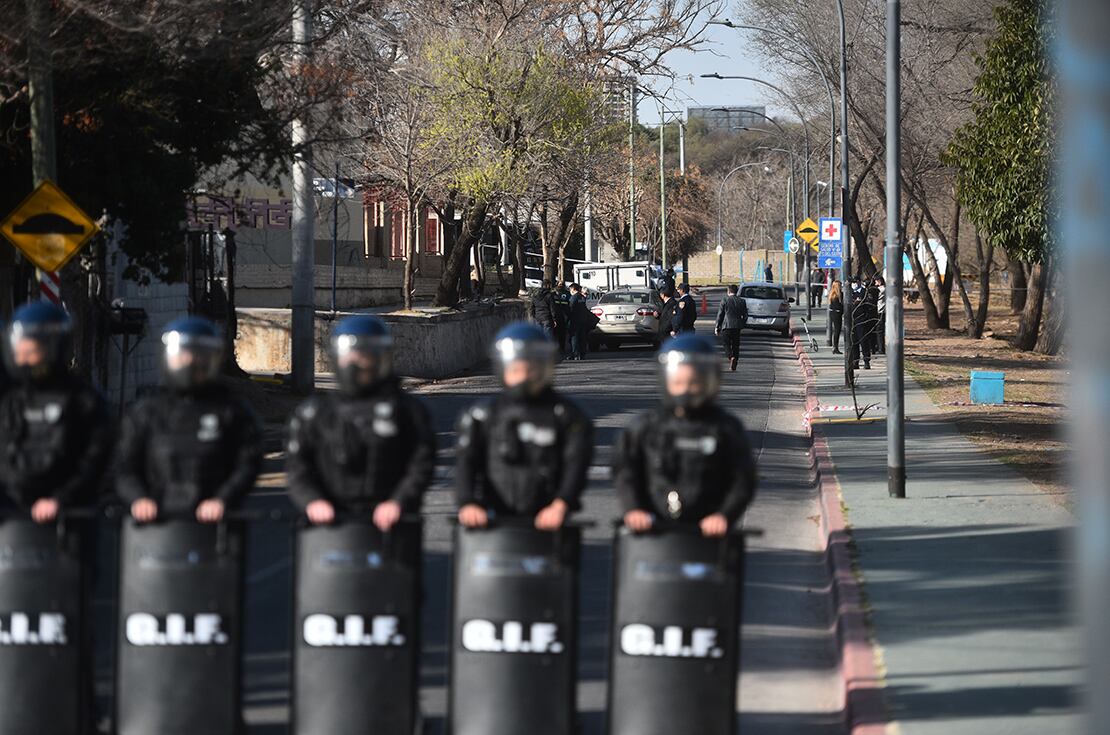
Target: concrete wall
707, 267
357, 287
430, 344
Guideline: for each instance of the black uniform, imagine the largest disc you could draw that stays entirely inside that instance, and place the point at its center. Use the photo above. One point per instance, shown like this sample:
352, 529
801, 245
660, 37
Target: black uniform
685, 468
517, 455
688, 313
671, 316
562, 317
180, 448
358, 452
864, 317
55, 442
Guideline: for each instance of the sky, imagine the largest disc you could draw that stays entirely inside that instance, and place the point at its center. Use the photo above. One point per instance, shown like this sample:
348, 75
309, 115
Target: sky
729, 52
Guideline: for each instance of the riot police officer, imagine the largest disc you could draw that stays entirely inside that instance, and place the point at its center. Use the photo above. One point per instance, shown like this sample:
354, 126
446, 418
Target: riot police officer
688, 461
370, 448
196, 447
55, 431
525, 452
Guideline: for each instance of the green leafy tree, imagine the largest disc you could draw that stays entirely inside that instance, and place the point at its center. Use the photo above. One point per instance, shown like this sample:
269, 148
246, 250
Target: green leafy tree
1003, 157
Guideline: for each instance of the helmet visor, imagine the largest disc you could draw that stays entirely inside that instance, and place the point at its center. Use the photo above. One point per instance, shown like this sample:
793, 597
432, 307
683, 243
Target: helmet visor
37, 351
191, 360
691, 379
361, 361
525, 366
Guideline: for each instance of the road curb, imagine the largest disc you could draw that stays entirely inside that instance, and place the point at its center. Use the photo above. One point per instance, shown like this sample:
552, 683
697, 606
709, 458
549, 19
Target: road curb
864, 707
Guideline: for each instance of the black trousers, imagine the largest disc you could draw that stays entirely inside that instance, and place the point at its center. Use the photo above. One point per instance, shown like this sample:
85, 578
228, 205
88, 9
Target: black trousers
837, 327
730, 338
816, 293
861, 339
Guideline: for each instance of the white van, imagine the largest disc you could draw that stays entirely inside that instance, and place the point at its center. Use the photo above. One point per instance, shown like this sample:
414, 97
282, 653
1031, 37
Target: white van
599, 278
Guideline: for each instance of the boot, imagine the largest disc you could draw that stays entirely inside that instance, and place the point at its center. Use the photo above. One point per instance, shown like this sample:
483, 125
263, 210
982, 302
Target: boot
866, 364
732, 364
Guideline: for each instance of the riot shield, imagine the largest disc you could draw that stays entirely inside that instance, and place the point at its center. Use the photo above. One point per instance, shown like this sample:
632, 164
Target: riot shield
675, 633
514, 631
356, 652
179, 640
41, 629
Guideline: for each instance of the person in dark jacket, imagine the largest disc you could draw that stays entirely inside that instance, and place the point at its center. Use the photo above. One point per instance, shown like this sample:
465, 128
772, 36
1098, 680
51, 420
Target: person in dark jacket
55, 430
579, 323
368, 448
543, 308
731, 318
817, 286
864, 317
669, 316
769, 274
524, 453
562, 317
687, 461
195, 448
687, 309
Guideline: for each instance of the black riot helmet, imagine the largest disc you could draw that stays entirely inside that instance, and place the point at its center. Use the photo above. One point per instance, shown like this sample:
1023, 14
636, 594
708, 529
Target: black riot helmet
362, 353
691, 371
38, 342
192, 353
524, 359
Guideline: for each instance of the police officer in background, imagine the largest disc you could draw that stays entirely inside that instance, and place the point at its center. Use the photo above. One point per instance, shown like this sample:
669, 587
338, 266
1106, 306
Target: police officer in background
687, 309
55, 431
524, 453
687, 461
196, 447
562, 316
370, 447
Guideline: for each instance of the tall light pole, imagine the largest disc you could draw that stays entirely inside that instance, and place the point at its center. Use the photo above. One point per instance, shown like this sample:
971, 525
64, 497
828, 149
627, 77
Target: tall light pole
632, 167
845, 202
303, 321
721, 193
805, 169
895, 380
662, 193
824, 79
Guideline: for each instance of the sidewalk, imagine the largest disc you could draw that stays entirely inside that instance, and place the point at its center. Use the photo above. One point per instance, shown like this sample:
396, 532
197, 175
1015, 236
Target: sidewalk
964, 583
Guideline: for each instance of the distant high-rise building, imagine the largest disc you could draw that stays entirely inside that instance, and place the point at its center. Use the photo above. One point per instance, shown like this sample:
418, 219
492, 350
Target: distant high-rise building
724, 119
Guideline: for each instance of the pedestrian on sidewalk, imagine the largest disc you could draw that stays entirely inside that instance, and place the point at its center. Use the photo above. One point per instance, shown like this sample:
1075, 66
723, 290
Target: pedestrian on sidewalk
581, 321
687, 461
863, 321
369, 447
817, 286
687, 309
524, 453
879, 332
836, 314
731, 318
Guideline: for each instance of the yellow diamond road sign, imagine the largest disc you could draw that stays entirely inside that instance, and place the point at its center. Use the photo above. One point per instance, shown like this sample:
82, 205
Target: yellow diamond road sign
808, 231
48, 227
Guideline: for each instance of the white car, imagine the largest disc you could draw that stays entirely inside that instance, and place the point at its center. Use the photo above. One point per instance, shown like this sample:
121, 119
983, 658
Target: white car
768, 307
627, 315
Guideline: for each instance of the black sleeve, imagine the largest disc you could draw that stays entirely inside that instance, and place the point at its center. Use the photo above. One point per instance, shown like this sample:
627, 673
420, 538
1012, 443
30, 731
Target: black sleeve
302, 475
247, 459
578, 452
721, 313
422, 462
130, 482
88, 467
629, 473
676, 317
742, 484
470, 454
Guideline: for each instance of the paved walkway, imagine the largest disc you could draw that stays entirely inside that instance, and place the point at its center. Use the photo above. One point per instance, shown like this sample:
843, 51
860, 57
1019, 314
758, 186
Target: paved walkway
966, 579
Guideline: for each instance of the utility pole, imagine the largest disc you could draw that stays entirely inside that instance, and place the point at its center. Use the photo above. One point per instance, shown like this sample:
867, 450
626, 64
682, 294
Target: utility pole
845, 203
662, 191
40, 78
682, 170
334, 238
895, 379
304, 235
632, 168
1084, 196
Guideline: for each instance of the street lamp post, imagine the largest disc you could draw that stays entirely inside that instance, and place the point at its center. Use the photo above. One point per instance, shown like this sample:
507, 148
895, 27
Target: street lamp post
845, 203
895, 380
805, 169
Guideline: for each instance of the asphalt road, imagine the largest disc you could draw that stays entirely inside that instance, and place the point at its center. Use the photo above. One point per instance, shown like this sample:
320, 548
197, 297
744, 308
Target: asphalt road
788, 664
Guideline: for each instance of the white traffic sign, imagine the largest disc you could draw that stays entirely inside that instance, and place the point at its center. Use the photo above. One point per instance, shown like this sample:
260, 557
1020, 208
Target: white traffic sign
794, 245
830, 229
830, 253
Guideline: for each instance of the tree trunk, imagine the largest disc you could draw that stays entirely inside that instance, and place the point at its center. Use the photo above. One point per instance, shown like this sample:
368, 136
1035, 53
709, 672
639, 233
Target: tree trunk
412, 210
454, 267
1053, 332
1018, 286
1029, 327
562, 236
986, 260
943, 297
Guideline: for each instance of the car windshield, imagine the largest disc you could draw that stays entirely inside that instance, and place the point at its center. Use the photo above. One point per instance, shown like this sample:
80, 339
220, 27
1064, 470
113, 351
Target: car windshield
766, 293
625, 297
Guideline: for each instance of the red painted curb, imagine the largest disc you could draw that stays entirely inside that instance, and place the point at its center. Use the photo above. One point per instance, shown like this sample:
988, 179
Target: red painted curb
864, 706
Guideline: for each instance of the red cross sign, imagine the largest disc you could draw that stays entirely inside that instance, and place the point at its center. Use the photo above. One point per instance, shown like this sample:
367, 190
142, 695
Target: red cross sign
830, 229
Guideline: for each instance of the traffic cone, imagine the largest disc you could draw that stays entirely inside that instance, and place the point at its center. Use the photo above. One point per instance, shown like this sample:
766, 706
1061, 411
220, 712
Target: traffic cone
704, 304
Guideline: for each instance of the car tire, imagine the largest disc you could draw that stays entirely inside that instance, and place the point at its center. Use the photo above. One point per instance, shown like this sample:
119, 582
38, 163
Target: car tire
593, 345
612, 344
